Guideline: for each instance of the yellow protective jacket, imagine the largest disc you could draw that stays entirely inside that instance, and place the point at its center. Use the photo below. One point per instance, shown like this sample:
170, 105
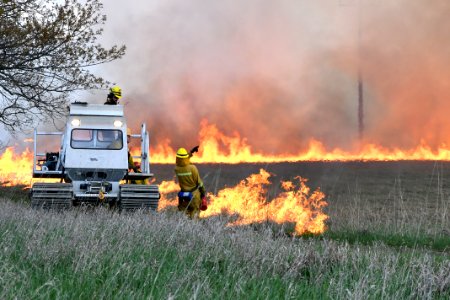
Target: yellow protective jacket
135, 169
189, 181
188, 176
131, 162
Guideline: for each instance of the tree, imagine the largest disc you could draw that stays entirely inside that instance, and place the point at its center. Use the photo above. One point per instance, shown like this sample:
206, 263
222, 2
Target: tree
46, 49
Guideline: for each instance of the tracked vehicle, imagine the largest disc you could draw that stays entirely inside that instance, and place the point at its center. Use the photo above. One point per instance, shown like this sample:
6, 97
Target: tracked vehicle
92, 163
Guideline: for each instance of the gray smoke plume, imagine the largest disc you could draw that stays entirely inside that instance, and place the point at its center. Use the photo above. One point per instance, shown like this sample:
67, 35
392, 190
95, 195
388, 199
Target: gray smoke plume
283, 72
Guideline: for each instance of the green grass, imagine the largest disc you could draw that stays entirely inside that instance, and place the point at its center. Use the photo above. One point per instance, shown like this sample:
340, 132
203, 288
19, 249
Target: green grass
435, 243
104, 255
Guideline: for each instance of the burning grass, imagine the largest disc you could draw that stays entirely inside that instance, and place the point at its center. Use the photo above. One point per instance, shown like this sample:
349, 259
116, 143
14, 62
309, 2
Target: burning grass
248, 202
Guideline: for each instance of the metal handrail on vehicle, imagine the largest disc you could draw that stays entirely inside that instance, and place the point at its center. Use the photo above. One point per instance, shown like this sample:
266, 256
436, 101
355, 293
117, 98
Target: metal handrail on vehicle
39, 173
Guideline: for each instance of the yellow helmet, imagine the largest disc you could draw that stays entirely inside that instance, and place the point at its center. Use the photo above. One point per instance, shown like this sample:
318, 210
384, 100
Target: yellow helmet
182, 153
116, 91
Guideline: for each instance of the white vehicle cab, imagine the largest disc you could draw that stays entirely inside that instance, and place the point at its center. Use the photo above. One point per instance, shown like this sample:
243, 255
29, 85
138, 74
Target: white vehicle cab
92, 162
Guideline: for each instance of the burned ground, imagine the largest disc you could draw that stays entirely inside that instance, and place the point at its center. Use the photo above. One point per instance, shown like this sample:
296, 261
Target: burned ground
374, 181
405, 195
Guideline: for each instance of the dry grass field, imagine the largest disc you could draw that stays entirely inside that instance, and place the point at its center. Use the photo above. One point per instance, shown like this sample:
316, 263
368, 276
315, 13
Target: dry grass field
388, 238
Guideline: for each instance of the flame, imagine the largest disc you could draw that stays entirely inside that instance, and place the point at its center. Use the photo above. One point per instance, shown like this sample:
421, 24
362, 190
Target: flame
216, 147
166, 188
248, 201
16, 169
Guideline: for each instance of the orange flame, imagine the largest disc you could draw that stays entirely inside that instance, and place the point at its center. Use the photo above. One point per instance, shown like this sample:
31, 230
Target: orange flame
248, 201
216, 147
166, 188
15, 169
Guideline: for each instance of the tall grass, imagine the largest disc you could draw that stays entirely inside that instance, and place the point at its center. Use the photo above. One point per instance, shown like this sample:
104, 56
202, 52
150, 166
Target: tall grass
105, 255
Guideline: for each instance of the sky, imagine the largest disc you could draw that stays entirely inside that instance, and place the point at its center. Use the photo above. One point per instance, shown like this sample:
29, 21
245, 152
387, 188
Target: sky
280, 73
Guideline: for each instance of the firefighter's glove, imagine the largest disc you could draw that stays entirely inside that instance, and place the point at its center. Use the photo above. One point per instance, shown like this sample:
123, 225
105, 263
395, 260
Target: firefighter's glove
195, 149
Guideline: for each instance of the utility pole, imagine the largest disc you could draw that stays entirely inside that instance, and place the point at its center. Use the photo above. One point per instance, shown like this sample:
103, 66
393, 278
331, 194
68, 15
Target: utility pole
360, 111
360, 80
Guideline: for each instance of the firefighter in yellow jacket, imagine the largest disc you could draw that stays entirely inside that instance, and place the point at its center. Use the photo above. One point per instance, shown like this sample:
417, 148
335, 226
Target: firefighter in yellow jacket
132, 165
191, 185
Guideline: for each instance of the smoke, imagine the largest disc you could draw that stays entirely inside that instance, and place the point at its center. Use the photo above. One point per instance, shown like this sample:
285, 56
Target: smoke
280, 73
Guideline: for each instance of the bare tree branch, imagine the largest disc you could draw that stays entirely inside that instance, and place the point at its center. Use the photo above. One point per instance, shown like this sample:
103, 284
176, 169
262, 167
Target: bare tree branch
46, 48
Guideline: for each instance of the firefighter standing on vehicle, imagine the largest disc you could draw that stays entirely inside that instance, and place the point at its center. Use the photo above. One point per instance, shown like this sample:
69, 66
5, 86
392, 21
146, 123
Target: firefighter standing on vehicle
115, 93
192, 192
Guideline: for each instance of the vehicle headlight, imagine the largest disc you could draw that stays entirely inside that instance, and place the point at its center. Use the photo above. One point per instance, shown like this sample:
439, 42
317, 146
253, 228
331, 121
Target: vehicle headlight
118, 123
75, 122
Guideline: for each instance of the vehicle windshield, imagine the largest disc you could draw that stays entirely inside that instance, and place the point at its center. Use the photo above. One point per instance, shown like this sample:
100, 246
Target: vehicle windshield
96, 139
